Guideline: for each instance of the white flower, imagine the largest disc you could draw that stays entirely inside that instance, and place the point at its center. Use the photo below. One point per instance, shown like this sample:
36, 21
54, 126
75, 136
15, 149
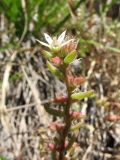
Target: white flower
55, 43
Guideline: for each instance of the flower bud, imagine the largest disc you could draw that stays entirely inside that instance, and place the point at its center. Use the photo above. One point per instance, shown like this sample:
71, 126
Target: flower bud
60, 99
76, 81
56, 125
76, 115
56, 60
112, 117
51, 146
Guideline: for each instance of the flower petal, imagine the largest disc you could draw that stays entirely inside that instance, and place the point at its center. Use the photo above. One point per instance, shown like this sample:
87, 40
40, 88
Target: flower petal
61, 37
44, 44
48, 38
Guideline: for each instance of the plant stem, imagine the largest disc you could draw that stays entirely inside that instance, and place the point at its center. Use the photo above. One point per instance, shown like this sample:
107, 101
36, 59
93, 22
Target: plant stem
67, 119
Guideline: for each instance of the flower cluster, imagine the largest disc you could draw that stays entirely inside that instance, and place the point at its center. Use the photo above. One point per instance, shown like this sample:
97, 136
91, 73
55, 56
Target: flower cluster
56, 44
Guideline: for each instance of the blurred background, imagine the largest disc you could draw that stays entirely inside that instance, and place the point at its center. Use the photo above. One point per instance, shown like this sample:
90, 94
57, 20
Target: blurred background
26, 85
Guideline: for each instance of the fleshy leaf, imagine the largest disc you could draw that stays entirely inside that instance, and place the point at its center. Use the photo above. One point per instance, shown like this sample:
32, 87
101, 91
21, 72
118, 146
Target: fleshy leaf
77, 126
47, 54
54, 112
82, 95
70, 57
81, 125
54, 70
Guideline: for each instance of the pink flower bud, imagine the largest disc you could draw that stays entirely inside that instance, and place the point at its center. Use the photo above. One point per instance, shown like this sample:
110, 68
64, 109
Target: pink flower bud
56, 60
60, 99
75, 81
56, 125
76, 115
112, 117
51, 146
79, 80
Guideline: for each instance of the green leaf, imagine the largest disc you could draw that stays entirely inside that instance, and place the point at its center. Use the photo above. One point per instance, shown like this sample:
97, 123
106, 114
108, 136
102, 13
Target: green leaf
80, 125
54, 70
113, 49
70, 57
54, 112
82, 95
47, 54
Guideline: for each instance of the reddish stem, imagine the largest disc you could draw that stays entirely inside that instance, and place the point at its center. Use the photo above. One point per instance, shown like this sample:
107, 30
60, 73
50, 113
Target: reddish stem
67, 117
